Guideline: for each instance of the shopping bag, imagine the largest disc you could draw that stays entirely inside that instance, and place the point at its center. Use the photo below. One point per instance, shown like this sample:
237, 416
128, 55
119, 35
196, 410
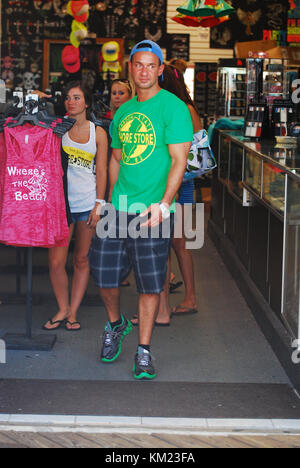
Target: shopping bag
201, 159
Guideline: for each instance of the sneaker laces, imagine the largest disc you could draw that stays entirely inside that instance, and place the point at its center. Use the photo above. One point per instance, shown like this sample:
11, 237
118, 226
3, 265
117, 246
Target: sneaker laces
110, 335
145, 358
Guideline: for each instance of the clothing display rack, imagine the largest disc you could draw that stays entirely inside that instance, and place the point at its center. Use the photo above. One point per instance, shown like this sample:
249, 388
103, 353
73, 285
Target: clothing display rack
19, 269
28, 341
34, 113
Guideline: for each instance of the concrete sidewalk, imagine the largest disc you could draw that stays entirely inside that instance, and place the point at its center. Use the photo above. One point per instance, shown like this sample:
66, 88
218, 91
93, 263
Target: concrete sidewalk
120, 433
215, 364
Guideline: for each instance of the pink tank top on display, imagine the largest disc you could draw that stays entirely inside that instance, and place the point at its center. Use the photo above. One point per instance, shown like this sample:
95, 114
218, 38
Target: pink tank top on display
33, 211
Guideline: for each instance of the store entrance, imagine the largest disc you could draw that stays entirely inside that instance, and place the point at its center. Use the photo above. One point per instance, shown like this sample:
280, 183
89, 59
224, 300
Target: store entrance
216, 363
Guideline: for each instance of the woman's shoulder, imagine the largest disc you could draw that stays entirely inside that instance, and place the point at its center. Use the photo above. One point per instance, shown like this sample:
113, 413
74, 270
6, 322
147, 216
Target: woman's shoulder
101, 133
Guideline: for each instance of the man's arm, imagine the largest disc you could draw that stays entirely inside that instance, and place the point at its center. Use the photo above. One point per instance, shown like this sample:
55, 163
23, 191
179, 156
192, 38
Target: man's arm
179, 154
114, 169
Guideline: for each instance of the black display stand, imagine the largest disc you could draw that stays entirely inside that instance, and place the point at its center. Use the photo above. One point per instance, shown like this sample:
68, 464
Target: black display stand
28, 341
19, 269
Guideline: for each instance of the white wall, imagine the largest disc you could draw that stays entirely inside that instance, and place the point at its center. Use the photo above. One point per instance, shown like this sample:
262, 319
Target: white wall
199, 37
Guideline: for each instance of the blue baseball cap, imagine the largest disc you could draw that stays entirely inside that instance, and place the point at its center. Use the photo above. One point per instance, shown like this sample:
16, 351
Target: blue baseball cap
148, 46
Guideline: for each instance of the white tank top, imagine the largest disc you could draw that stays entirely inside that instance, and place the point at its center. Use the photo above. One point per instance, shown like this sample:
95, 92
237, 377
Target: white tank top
81, 172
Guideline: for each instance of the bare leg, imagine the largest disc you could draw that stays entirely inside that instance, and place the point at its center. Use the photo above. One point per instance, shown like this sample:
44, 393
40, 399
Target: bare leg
187, 270
164, 310
148, 304
59, 279
111, 300
186, 266
81, 275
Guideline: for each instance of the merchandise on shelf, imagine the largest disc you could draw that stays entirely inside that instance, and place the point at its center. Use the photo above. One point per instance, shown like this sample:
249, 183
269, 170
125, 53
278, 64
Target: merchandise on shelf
231, 85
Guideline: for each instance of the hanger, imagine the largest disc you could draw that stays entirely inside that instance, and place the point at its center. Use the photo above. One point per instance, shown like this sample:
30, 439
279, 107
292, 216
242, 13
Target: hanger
28, 116
42, 119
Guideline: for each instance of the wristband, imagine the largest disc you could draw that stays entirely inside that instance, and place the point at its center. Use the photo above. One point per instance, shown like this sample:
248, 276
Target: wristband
102, 202
164, 210
100, 205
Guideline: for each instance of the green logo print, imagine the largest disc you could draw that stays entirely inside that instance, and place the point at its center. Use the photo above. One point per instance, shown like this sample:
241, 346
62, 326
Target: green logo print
138, 137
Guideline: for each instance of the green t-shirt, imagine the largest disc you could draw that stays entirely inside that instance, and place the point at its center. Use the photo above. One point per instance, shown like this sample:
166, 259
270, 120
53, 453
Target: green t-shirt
143, 130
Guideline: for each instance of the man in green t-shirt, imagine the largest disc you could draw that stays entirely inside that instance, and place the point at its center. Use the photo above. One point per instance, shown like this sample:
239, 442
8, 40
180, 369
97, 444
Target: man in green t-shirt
151, 139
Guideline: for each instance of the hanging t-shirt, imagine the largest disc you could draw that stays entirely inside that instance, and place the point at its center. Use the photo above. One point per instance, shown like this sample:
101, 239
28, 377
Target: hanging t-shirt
33, 211
143, 130
81, 172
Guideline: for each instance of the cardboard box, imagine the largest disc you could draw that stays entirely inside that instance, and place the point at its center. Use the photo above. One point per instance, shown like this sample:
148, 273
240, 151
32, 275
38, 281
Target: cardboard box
253, 48
292, 54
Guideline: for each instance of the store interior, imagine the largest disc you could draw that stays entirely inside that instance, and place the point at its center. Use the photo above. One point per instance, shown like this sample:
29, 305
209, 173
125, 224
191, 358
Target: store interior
234, 357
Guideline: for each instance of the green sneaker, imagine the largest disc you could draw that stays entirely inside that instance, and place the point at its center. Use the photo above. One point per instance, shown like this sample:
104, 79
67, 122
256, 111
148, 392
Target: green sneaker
112, 340
143, 368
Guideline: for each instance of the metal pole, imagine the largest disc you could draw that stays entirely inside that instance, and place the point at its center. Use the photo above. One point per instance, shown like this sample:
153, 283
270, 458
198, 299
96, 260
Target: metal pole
29, 294
18, 272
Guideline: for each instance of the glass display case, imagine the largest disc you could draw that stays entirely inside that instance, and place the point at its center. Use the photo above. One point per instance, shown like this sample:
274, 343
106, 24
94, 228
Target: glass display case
224, 152
273, 79
273, 187
286, 155
291, 289
254, 79
267, 77
231, 86
271, 175
253, 172
236, 170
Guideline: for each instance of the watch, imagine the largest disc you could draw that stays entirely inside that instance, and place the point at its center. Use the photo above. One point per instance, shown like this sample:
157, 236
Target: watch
101, 203
164, 210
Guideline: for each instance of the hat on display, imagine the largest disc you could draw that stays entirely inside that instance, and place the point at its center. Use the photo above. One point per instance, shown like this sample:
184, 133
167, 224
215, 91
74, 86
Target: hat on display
206, 8
197, 22
204, 13
223, 9
186, 20
148, 46
79, 32
212, 21
79, 9
188, 8
101, 6
111, 51
70, 58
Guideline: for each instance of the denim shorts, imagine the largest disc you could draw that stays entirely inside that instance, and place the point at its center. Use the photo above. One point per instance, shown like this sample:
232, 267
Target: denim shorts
186, 193
113, 257
76, 217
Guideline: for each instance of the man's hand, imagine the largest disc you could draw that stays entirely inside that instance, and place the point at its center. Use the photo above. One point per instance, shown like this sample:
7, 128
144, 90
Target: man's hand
155, 218
42, 95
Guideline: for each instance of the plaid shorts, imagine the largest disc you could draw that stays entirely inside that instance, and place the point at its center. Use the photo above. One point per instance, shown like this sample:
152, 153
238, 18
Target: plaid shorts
114, 256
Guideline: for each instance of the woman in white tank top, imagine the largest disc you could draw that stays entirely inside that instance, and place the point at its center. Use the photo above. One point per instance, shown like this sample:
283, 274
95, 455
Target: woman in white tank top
86, 147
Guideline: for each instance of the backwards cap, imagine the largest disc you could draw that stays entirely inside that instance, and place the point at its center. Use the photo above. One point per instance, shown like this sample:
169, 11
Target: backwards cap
148, 46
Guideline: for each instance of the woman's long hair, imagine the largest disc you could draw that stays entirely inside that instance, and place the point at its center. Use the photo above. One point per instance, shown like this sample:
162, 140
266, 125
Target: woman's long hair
173, 82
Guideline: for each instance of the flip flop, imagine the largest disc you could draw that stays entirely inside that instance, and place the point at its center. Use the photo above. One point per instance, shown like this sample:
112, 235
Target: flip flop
60, 323
157, 324
174, 286
72, 323
181, 310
